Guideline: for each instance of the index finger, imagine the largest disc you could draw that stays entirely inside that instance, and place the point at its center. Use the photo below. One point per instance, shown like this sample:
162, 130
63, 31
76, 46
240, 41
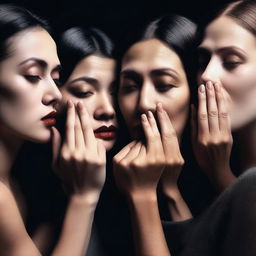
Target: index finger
86, 124
168, 133
70, 125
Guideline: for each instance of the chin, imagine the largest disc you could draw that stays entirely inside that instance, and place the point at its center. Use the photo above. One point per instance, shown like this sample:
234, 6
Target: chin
40, 137
108, 144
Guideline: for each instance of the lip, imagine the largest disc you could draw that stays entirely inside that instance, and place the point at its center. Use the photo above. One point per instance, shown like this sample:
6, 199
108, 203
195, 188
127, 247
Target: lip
106, 132
50, 120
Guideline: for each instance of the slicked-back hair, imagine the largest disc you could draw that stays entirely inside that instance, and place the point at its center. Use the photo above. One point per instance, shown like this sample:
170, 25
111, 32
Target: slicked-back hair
76, 43
178, 33
15, 19
243, 12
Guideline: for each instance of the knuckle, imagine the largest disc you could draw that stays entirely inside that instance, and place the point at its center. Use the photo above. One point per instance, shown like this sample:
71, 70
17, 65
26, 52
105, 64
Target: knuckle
203, 116
169, 134
213, 113
223, 114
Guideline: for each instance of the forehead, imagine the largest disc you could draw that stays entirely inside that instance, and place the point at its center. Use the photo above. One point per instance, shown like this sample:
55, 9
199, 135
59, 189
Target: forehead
94, 66
150, 54
34, 42
225, 31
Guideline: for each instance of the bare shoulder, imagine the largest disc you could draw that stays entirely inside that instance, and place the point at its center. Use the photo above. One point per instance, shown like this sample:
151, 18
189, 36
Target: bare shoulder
13, 235
6, 196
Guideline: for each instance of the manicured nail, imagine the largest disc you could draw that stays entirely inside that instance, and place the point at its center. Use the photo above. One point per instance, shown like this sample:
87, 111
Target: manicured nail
144, 117
217, 87
150, 114
69, 104
160, 107
202, 88
209, 85
79, 105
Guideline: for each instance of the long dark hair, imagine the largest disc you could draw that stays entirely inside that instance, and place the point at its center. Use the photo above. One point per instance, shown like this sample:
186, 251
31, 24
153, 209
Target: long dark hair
77, 43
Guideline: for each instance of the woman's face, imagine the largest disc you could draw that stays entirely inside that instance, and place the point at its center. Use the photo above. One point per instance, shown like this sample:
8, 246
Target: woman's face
227, 55
28, 92
151, 73
92, 83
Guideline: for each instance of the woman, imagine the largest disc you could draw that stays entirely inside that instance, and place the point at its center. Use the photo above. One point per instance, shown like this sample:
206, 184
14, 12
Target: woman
88, 78
227, 227
154, 100
227, 56
28, 97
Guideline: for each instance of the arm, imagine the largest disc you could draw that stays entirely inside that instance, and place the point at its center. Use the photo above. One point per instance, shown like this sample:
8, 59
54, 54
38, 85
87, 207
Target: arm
212, 139
174, 162
137, 170
80, 162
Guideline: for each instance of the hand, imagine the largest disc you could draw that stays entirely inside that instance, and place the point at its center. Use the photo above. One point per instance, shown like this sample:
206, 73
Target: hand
81, 160
211, 135
173, 158
138, 167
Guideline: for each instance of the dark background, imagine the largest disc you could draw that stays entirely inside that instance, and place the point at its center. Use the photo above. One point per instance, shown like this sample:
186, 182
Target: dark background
119, 19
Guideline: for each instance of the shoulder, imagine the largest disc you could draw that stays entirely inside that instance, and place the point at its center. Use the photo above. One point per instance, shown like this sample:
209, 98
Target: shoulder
6, 196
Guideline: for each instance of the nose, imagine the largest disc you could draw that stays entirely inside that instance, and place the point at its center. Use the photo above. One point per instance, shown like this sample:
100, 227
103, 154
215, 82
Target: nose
211, 72
52, 94
104, 107
147, 98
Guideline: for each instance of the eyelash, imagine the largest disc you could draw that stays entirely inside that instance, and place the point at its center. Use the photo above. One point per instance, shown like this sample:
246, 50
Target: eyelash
85, 94
164, 87
32, 79
230, 64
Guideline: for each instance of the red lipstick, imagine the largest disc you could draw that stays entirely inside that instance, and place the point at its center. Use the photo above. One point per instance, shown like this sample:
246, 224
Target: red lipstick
50, 120
105, 133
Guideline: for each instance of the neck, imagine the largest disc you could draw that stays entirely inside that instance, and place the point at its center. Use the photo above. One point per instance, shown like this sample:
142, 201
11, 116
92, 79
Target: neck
245, 145
9, 147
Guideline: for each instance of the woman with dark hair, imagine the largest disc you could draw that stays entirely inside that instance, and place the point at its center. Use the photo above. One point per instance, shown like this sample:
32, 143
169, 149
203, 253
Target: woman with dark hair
227, 65
154, 98
88, 78
29, 71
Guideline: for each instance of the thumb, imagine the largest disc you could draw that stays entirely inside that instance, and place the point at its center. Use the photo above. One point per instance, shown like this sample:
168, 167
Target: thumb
56, 143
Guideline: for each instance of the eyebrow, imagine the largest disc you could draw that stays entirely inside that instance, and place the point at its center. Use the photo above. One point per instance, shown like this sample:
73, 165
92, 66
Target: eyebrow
87, 79
158, 71
202, 49
41, 63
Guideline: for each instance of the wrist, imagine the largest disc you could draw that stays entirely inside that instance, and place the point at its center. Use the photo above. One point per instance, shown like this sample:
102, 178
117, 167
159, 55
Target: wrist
142, 196
85, 199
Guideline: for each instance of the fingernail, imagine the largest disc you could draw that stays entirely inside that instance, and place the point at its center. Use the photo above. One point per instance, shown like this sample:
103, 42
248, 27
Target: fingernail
79, 105
160, 107
144, 117
69, 104
217, 87
209, 85
150, 114
202, 88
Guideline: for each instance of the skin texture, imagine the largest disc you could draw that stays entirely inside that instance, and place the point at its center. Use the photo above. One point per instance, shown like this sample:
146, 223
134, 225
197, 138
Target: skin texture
27, 94
27, 90
227, 56
82, 153
92, 84
154, 101
211, 135
152, 73
156, 71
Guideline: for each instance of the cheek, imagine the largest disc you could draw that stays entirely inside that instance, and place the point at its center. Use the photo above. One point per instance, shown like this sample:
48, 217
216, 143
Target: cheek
177, 107
241, 85
127, 106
